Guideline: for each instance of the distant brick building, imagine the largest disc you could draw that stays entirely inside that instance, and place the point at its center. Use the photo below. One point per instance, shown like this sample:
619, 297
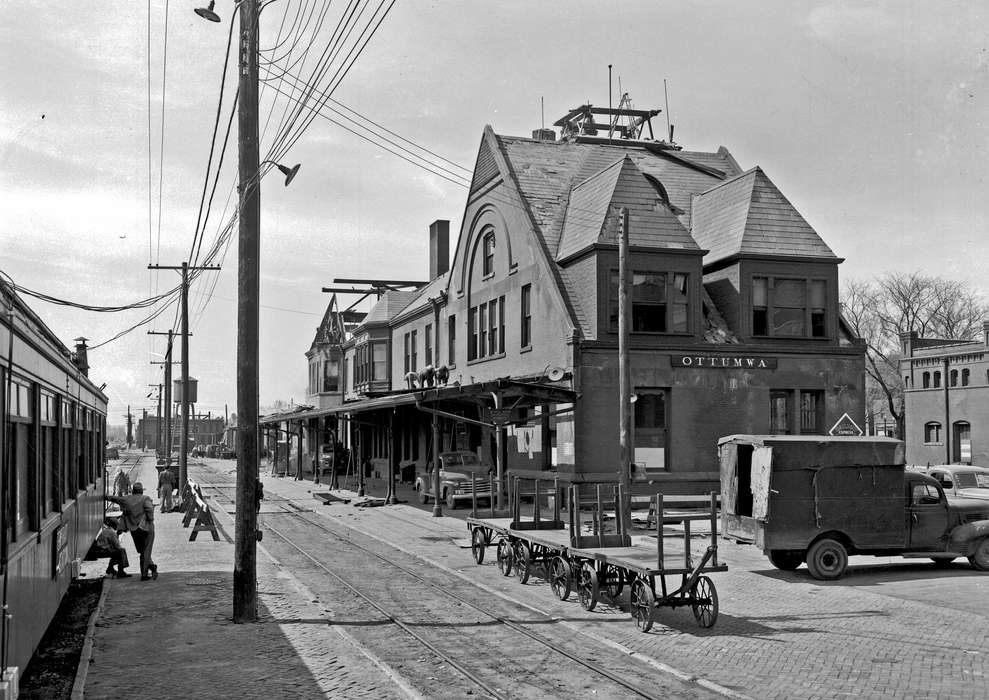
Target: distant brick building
946, 399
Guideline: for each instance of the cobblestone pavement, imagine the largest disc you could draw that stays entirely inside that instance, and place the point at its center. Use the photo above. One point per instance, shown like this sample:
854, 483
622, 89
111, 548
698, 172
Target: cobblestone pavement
780, 635
174, 637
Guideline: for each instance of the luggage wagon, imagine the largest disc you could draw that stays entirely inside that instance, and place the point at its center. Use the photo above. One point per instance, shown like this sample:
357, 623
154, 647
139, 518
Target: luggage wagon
583, 556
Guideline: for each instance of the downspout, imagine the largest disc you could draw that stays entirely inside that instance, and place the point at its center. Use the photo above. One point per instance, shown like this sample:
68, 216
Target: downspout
948, 434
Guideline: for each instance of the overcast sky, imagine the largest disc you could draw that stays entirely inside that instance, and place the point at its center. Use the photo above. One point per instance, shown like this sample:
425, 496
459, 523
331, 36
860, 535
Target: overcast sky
870, 117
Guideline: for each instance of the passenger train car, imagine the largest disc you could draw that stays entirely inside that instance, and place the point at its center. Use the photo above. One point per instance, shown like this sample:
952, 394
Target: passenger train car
53, 436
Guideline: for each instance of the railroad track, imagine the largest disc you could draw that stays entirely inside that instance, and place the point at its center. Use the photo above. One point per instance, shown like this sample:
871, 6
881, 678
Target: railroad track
454, 636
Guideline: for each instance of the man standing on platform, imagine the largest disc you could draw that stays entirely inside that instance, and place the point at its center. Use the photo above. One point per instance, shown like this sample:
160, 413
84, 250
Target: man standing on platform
138, 518
166, 483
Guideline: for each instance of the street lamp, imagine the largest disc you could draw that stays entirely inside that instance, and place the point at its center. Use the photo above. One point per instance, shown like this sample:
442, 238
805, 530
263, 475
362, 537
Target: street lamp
288, 172
207, 12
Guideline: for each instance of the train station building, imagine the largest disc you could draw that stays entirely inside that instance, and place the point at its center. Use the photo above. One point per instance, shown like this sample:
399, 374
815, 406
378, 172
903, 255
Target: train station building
512, 343
946, 399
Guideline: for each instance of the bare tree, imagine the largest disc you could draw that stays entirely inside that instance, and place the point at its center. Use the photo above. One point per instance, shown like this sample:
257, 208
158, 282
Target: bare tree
878, 311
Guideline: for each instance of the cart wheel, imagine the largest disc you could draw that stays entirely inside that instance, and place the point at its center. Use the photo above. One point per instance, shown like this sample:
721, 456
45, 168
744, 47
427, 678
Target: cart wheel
504, 556
706, 606
587, 586
478, 542
641, 604
523, 561
614, 581
560, 578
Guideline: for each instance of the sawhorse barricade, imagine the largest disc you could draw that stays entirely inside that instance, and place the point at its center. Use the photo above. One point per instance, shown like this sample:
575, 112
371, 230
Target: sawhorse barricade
197, 507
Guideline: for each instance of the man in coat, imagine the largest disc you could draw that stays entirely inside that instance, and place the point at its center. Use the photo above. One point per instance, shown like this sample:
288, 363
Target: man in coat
138, 518
166, 483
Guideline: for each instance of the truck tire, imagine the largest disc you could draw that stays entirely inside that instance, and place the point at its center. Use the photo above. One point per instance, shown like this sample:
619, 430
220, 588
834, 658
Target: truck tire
827, 559
786, 559
980, 557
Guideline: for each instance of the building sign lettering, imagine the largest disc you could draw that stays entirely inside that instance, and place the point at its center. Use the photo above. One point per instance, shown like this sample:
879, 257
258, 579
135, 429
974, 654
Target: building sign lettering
724, 361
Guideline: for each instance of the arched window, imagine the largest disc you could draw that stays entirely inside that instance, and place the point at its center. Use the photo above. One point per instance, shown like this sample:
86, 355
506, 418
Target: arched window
927, 380
953, 377
489, 244
965, 377
906, 381
937, 379
932, 433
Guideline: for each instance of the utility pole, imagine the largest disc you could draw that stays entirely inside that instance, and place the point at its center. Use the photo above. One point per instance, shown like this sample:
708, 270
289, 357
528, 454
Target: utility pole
144, 429
184, 445
157, 421
167, 442
624, 371
130, 428
248, 292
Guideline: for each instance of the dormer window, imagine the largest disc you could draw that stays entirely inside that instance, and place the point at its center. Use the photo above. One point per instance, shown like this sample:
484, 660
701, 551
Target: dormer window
789, 307
660, 302
488, 244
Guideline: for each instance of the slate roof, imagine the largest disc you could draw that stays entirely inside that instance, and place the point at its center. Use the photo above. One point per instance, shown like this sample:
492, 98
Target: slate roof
389, 306
749, 215
592, 214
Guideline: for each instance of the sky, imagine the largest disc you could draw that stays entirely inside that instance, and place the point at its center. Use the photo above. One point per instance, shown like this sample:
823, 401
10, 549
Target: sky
872, 118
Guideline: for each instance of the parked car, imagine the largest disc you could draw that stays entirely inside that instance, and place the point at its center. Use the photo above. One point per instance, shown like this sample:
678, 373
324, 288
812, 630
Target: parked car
458, 470
961, 480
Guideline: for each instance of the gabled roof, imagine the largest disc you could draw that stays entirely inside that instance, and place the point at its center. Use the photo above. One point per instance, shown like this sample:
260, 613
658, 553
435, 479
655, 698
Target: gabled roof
420, 297
592, 214
331, 329
749, 215
389, 306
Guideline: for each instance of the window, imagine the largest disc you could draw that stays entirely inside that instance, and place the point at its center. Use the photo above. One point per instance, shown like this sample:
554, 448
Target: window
451, 341
811, 412
925, 494
427, 344
779, 412
489, 244
472, 329
414, 344
789, 307
526, 316
379, 361
932, 433
660, 302
501, 324
926, 380
493, 327
331, 375
406, 355
482, 332
965, 376
937, 380
906, 381
953, 378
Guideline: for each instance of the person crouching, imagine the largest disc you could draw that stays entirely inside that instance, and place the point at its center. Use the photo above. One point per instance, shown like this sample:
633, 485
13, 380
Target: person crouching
108, 545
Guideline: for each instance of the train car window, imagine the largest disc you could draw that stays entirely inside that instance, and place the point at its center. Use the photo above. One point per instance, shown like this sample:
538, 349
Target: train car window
49, 456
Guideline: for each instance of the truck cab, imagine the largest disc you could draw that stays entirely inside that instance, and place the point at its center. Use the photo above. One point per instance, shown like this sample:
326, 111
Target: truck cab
817, 499
461, 472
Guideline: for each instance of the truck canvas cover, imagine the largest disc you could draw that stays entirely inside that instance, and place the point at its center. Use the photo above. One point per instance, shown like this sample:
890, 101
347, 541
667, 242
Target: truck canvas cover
781, 491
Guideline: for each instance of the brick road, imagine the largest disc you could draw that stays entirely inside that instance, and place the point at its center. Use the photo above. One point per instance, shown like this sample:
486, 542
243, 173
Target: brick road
780, 635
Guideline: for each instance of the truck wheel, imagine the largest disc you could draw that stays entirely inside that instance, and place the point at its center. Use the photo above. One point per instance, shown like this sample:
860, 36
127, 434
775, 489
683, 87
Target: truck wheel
827, 559
785, 559
980, 557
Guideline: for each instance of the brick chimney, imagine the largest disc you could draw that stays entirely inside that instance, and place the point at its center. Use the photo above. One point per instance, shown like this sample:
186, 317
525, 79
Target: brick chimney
439, 248
81, 357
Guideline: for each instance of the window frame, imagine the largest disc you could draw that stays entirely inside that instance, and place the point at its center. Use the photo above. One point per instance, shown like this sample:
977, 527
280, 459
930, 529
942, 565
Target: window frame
933, 429
671, 300
814, 316
525, 316
487, 253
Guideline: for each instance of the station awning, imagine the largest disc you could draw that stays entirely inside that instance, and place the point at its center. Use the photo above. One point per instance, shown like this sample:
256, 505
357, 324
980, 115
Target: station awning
510, 391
